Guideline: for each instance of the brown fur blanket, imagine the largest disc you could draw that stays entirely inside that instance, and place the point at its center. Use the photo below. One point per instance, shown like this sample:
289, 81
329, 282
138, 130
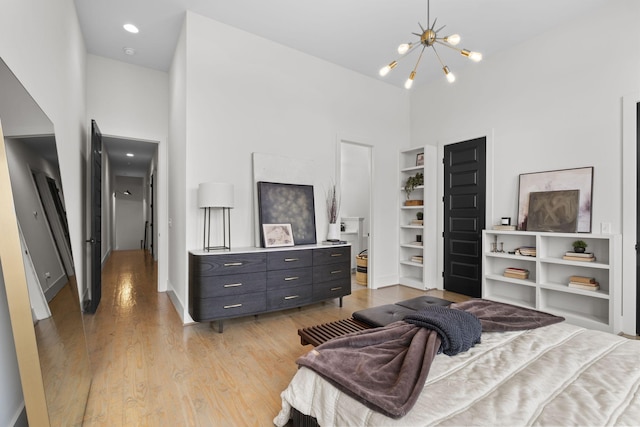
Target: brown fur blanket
386, 368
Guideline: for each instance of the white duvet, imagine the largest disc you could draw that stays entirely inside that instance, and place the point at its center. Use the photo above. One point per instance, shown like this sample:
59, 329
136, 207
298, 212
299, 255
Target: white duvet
558, 375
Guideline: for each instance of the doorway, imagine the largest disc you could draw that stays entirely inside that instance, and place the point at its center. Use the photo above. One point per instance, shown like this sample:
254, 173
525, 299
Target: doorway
355, 178
464, 215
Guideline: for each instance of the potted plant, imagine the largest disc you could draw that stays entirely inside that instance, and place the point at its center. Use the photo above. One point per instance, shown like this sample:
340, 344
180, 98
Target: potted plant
410, 185
419, 215
333, 208
579, 246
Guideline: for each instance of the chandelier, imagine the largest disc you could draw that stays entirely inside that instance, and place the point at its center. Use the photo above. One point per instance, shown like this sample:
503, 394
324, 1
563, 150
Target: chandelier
429, 38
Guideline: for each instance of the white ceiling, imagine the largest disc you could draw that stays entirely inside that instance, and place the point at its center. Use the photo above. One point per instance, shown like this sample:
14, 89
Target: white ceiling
361, 35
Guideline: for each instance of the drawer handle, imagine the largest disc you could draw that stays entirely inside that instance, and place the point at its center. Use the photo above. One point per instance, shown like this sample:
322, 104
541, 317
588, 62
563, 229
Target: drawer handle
286, 279
292, 297
336, 289
336, 254
232, 264
232, 306
336, 271
291, 259
233, 285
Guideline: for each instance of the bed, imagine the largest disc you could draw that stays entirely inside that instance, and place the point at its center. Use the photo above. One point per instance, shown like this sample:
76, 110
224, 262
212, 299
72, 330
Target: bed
554, 375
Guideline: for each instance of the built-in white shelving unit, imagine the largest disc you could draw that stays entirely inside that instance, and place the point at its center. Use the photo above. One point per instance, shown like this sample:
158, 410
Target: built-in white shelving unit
411, 273
546, 288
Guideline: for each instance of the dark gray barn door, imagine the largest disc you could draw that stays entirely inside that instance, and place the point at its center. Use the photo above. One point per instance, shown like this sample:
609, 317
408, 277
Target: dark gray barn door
464, 215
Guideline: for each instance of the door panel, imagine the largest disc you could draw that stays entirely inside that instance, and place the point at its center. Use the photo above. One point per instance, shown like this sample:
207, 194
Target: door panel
95, 239
464, 215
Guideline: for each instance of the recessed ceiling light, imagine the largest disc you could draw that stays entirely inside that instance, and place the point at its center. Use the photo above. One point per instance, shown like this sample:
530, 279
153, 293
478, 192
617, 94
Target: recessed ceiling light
131, 28
129, 50
129, 154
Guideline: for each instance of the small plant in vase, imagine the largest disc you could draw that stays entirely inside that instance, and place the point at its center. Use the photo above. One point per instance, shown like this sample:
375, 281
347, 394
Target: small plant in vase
579, 246
410, 185
333, 208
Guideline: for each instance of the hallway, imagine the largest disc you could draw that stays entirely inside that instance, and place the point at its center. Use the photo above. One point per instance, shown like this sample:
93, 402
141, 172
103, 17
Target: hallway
150, 370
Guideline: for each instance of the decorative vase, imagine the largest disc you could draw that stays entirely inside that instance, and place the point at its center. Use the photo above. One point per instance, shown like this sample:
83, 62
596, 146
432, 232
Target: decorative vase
578, 250
334, 231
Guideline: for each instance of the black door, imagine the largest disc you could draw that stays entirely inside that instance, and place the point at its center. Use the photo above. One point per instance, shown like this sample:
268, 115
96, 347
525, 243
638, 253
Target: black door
637, 217
464, 215
95, 239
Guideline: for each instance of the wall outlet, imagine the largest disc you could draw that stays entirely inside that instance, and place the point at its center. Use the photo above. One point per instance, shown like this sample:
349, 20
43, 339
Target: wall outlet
47, 275
605, 227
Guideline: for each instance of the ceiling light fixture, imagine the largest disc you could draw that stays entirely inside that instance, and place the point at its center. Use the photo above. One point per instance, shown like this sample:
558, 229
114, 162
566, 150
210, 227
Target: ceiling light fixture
127, 193
129, 154
428, 38
131, 28
129, 50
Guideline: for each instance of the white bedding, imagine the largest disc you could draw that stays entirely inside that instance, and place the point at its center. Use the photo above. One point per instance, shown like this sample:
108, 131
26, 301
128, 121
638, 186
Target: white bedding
558, 375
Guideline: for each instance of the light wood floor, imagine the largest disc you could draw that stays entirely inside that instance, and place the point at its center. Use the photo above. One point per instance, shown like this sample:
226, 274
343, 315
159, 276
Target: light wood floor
150, 370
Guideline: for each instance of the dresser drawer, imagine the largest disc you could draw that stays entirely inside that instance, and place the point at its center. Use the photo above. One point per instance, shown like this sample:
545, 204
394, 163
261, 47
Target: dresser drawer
216, 265
332, 255
329, 272
282, 260
279, 279
229, 284
290, 297
332, 289
226, 307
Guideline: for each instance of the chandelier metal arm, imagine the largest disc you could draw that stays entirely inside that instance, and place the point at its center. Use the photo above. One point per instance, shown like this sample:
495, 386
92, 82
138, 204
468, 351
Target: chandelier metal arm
429, 37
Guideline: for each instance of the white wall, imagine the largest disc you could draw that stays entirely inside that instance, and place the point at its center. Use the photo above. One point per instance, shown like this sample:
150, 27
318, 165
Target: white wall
553, 102
49, 60
30, 212
129, 215
245, 94
132, 102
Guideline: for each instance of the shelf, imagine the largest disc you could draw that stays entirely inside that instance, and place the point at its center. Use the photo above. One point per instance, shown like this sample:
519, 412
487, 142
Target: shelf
412, 264
412, 169
412, 227
547, 288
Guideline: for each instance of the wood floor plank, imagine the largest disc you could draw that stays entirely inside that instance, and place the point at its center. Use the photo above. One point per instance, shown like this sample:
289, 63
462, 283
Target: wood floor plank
150, 370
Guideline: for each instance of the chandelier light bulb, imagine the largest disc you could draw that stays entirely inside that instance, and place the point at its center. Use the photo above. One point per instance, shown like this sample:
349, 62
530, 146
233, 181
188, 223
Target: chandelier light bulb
450, 76
409, 82
475, 56
453, 39
404, 48
385, 70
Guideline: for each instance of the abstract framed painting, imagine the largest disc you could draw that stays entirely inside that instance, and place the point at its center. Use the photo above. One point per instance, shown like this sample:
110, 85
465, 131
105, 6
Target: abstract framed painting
580, 179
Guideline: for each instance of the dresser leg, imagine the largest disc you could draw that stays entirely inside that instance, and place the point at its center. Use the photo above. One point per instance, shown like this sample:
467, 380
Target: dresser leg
340, 301
220, 325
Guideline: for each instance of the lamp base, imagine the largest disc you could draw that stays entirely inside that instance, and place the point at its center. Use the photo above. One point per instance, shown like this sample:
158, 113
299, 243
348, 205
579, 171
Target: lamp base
226, 231
217, 248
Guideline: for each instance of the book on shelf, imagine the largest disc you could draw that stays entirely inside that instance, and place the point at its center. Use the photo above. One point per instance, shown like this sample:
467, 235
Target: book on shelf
334, 242
504, 227
516, 273
417, 222
416, 258
526, 251
579, 258
582, 279
585, 286
580, 254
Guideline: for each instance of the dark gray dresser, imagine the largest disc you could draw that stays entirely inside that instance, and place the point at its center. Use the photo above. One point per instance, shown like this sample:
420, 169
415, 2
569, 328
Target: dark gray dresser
251, 281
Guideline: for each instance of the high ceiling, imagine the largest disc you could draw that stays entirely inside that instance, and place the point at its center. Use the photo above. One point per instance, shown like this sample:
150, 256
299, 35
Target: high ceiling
361, 35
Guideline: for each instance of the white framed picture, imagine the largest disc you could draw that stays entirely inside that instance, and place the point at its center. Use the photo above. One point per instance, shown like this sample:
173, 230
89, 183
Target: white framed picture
276, 235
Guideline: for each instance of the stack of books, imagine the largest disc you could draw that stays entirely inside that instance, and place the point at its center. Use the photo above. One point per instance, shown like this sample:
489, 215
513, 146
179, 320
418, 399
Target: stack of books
582, 282
516, 273
526, 251
579, 256
334, 242
417, 258
417, 222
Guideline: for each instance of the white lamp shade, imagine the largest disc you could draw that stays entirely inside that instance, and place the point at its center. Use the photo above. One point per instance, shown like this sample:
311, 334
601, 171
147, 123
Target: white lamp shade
215, 195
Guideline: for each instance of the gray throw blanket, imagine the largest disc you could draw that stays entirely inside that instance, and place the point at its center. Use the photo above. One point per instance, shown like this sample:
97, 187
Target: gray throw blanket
386, 368
383, 368
458, 330
500, 317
